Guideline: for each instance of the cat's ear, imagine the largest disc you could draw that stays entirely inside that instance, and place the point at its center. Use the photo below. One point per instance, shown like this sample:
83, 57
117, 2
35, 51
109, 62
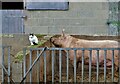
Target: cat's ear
32, 34
29, 33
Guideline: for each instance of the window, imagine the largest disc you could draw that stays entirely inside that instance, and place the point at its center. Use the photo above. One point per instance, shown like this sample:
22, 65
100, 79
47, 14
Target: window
12, 5
47, 5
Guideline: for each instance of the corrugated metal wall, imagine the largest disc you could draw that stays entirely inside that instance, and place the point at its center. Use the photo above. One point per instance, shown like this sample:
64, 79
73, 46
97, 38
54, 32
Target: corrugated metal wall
12, 21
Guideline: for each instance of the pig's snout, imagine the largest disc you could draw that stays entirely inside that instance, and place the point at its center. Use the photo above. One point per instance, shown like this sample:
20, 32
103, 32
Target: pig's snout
52, 39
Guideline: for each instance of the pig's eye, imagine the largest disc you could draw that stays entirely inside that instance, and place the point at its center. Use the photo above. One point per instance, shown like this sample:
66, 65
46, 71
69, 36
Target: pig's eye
63, 38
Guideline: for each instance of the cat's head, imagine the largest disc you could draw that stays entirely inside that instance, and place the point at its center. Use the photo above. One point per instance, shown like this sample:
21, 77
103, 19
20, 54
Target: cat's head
31, 35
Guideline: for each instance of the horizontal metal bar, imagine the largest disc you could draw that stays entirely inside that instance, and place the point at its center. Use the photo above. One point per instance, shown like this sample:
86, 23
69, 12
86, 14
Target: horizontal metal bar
76, 48
5, 46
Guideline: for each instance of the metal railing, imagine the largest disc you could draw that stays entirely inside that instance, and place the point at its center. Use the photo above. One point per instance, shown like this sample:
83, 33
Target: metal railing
74, 50
6, 68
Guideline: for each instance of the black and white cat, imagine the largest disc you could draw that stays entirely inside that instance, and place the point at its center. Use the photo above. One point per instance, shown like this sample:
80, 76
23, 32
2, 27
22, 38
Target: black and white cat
33, 39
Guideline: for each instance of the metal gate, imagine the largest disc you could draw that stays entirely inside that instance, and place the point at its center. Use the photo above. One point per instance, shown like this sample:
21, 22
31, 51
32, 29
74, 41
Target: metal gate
6, 64
12, 22
31, 74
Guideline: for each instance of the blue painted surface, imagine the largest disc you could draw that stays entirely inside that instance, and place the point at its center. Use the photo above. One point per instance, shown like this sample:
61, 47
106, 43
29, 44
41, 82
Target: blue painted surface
12, 22
47, 5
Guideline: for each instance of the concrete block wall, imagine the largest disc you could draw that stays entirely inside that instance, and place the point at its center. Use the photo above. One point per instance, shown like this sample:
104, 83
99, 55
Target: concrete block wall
82, 18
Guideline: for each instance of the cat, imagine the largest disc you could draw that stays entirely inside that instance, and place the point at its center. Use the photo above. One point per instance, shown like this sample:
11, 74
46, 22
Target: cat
33, 39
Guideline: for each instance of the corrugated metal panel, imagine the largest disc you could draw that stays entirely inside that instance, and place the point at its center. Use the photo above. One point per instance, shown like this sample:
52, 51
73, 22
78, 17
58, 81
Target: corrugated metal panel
12, 21
49, 5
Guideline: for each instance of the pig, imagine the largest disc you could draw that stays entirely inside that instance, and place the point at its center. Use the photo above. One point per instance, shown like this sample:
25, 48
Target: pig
67, 41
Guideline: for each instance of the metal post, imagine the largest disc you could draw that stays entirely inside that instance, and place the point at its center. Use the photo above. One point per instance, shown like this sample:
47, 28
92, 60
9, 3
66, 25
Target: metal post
112, 65
3, 64
30, 66
38, 68
52, 66
82, 66
105, 53
67, 66
74, 65
24, 62
8, 64
90, 63
60, 66
45, 66
97, 77
119, 64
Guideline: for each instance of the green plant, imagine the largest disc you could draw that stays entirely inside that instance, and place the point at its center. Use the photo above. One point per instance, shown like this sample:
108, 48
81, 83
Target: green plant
39, 44
117, 23
19, 56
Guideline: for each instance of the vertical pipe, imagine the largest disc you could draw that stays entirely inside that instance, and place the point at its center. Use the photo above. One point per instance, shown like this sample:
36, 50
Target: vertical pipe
24, 62
24, 4
105, 53
9, 64
52, 66
3, 64
44, 66
60, 65
90, 62
119, 63
67, 66
112, 65
82, 66
38, 68
30, 66
75, 65
97, 77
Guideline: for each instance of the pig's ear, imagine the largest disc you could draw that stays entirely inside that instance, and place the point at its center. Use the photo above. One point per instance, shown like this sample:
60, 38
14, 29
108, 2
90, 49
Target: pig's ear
63, 32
